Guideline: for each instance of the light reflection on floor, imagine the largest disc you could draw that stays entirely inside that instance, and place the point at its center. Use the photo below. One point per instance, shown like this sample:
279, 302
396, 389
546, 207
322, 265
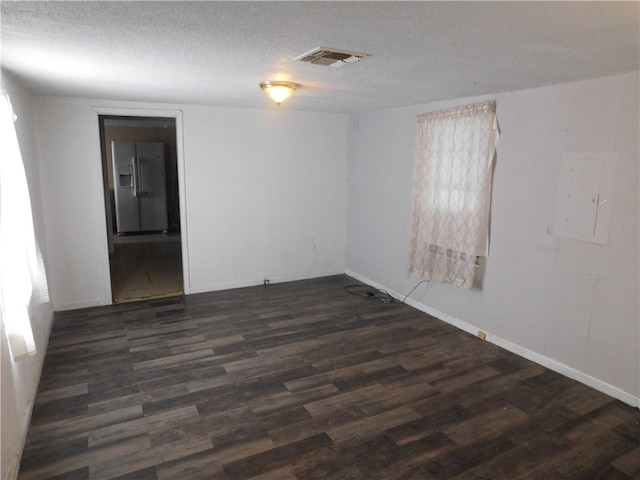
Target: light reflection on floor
146, 266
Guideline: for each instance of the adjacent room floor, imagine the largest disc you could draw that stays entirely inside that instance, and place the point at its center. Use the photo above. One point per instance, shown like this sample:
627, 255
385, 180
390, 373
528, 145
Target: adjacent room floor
146, 266
303, 380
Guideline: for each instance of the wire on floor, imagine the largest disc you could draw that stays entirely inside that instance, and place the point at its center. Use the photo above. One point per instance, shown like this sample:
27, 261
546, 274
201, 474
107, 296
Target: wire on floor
414, 289
365, 291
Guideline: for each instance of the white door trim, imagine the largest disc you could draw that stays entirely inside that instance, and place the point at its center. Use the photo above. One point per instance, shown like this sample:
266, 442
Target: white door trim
146, 112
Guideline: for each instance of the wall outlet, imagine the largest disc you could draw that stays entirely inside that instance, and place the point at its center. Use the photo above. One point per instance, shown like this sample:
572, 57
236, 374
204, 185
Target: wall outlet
482, 335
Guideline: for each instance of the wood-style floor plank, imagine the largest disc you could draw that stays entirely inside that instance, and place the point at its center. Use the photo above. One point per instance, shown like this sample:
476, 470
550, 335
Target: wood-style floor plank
303, 380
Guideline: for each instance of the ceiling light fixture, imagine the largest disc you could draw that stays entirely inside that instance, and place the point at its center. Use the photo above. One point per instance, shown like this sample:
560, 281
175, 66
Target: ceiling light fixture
278, 91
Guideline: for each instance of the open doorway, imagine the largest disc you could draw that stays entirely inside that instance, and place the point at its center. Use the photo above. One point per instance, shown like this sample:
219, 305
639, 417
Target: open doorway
139, 161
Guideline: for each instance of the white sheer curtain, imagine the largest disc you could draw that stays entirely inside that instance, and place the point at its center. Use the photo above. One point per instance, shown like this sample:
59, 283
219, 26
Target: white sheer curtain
18, 257
452, 192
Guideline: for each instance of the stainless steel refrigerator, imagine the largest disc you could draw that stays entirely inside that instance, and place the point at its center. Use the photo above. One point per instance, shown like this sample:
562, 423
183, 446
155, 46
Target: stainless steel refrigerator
139, 186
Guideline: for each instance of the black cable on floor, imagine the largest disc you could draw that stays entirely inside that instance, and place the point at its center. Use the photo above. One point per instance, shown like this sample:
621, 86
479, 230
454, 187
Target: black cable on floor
365, 291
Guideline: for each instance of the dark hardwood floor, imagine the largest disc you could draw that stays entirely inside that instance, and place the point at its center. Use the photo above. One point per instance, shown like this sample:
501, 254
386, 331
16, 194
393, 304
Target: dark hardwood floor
304, 381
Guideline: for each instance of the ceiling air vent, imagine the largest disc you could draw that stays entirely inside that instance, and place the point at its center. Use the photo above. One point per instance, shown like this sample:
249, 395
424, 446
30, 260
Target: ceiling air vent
330, 57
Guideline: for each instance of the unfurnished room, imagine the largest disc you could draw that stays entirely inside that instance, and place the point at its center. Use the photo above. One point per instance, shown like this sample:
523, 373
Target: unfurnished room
320, 240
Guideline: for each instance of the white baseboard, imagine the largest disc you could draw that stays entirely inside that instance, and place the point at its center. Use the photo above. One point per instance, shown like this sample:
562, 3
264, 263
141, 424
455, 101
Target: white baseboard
16, 457
538, 358
257, 282
58, 307
98, 302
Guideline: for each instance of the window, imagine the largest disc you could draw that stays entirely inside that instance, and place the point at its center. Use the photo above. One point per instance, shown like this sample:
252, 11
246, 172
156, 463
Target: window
18, 258
452, 191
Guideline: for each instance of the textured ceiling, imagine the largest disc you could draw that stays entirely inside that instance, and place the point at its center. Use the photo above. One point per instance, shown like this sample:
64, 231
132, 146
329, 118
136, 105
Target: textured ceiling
216, 53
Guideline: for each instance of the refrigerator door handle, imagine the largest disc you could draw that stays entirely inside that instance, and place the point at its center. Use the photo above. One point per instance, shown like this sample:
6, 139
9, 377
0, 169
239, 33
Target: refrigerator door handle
134, 160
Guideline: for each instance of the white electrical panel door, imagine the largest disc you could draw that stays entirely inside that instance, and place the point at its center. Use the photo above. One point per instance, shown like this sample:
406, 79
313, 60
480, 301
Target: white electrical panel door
584, 196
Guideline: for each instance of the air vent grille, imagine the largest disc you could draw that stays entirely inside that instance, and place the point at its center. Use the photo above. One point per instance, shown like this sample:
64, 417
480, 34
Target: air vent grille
330, 57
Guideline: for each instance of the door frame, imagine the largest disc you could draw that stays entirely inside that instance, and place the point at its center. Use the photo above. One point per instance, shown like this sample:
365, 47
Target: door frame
184, 245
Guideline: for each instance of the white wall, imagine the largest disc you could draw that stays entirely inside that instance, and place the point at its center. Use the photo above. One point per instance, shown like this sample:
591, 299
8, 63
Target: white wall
19, 381
265, 196
568, 304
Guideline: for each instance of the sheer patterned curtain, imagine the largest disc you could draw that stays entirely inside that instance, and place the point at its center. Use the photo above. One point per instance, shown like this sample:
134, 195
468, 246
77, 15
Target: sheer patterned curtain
18, 257
452, 192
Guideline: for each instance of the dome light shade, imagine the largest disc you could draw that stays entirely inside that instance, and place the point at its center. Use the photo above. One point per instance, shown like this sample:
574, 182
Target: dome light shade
278, 91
